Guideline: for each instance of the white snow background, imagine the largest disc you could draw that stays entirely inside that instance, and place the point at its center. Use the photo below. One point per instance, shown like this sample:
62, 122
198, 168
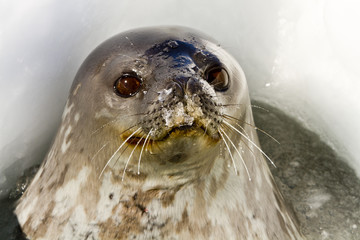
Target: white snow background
302, 56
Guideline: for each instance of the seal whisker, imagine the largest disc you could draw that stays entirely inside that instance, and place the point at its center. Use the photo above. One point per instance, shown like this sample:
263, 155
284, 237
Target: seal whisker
128, 160
232, 105
142, 149
264, 132
237, 124
206, 127
115, 120
245, 143
131, 115
231, 156
99, 151
112, 121
242, 140
118, 151
104, 125
152, 144
243, 129
117, 159
232, 118
256, 146
259, 107
242, 159
131, 141
253, 126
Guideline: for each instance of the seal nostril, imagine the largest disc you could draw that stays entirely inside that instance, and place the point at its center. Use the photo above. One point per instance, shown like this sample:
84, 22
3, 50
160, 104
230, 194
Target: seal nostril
181, 83
177, 88
193, 86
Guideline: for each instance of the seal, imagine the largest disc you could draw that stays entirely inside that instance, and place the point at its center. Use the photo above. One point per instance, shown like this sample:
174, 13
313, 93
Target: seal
157, 141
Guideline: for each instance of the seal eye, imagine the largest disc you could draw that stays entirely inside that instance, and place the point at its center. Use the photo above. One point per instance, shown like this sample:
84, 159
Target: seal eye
127, 85
219, 78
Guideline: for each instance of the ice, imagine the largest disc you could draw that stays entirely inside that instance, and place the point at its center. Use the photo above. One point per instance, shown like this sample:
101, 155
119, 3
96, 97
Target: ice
301, 56
317, 199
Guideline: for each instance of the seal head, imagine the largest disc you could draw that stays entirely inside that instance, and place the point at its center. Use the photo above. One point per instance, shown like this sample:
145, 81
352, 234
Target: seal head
157, 142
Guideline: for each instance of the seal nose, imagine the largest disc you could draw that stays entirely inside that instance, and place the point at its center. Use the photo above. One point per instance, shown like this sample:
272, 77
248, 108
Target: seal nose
182, 84
176, 88
193, 86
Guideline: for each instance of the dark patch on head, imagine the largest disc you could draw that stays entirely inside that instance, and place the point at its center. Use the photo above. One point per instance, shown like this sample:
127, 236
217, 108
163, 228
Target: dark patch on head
182, 53
81, 150
111, 195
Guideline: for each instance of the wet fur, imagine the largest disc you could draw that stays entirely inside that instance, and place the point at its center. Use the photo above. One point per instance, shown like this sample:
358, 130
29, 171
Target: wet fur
120, 169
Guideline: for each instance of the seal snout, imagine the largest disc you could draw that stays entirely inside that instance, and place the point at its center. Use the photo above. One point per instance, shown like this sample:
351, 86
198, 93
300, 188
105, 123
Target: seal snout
185, 106
182, 85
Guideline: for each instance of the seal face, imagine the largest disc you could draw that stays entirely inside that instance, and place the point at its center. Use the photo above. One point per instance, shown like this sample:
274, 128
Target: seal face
157, 142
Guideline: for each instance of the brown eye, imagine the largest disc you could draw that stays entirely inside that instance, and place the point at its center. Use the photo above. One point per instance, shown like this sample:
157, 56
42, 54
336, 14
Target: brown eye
127, 85
218, 78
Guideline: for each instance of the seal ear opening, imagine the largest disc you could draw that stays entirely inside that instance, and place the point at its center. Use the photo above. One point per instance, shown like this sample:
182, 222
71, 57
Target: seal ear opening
127, 85
218, 78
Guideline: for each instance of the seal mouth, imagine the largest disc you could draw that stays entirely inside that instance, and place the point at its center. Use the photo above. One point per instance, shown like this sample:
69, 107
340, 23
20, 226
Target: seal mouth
193, 130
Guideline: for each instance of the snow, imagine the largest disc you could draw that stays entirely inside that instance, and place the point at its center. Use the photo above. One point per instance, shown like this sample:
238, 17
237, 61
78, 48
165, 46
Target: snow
301, 56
